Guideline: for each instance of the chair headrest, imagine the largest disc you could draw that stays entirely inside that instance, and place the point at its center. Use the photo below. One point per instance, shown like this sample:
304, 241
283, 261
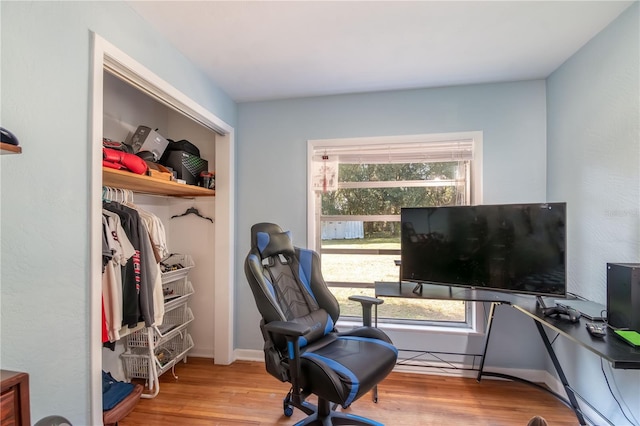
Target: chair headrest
269, 228
271, 244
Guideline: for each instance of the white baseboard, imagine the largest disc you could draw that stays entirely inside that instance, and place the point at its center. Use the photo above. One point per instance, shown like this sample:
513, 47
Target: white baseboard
248, 355
459, 370
444, 369
200, 353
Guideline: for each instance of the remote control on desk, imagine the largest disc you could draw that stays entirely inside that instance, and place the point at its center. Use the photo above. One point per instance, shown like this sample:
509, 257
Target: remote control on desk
597, 330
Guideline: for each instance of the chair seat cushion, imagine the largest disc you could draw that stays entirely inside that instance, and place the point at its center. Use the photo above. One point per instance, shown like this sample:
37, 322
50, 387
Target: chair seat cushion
371, 332
346, 367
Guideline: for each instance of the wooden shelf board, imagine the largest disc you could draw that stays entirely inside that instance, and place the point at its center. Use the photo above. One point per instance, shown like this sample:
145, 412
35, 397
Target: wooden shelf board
149, 185
6, 148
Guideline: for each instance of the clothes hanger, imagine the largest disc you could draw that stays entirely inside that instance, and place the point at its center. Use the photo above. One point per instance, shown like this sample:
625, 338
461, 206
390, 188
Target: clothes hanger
127, 198
107, 194
193, 210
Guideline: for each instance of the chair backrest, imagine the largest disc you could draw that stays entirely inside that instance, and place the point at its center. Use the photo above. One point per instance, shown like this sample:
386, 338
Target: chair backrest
287, 283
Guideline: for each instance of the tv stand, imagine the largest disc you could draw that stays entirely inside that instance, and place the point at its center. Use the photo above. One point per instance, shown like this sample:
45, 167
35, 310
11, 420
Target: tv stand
418, 287
540, 302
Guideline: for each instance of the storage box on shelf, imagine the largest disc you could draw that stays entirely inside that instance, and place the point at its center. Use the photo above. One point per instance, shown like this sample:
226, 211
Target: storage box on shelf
168, 343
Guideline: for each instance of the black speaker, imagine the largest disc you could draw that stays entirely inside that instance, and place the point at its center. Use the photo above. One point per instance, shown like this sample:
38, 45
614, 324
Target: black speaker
623, 295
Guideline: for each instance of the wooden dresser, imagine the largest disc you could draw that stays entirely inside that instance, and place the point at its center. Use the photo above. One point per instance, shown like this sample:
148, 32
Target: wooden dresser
14, 399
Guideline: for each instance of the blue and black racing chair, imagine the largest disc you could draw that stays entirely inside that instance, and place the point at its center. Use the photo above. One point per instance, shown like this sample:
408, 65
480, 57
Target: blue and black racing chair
302, 346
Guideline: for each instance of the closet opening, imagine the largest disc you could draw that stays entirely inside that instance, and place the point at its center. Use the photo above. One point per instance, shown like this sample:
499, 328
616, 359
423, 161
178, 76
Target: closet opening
122, 90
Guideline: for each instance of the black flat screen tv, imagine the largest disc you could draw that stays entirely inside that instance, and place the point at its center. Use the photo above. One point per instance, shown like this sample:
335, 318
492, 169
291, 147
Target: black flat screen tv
517, 248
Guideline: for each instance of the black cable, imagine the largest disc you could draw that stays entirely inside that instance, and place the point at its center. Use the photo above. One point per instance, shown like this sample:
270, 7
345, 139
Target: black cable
606, 379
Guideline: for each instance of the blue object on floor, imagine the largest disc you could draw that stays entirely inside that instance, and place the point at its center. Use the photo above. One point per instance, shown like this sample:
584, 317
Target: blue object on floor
113, 391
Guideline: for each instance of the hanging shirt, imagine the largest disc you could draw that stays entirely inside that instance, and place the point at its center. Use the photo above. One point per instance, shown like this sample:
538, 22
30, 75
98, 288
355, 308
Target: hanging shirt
112, 284
157, 237
145, 267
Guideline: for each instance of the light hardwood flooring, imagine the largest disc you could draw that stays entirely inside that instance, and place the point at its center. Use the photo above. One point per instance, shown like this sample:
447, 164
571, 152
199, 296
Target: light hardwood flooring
243, 393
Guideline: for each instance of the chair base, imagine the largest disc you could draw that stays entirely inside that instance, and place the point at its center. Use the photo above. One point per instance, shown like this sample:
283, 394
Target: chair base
337, 418
326, 415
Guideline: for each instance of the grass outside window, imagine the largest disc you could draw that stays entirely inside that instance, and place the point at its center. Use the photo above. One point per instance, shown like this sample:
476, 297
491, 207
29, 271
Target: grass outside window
363, 270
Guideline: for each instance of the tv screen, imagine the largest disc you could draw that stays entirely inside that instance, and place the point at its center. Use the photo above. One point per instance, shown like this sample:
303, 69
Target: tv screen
511, 247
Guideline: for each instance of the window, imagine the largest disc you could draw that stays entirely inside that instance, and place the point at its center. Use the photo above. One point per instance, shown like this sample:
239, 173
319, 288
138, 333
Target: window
357, 188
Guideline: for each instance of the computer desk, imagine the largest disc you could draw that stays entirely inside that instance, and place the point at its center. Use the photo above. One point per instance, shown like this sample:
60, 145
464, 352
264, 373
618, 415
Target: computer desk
618, 353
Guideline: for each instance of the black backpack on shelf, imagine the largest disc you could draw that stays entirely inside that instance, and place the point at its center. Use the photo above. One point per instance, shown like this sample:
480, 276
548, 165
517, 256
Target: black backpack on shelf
181, 145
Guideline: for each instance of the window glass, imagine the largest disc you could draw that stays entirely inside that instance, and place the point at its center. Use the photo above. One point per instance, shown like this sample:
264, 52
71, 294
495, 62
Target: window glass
359, 196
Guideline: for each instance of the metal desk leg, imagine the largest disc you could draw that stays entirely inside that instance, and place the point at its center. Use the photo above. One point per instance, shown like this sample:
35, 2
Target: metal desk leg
486, 339
563, 378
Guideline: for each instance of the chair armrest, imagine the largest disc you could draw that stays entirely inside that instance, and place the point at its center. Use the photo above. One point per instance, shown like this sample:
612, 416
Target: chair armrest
292, 332
287, 329
367, 299
367, 302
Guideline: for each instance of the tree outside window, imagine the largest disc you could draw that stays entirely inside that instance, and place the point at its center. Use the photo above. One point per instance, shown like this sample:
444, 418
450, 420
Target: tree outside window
372, 195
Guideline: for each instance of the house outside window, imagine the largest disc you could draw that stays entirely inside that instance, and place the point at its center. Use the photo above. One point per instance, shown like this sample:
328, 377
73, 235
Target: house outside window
357, 188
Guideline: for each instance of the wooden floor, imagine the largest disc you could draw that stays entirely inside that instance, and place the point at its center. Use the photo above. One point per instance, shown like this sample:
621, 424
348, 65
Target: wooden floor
245, 394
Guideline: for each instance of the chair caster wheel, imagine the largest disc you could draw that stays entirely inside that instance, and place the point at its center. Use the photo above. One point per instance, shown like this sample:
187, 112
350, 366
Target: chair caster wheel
288, 411
286, 406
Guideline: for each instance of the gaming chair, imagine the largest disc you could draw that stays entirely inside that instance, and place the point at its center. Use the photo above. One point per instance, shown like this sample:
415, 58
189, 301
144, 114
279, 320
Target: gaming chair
301, 344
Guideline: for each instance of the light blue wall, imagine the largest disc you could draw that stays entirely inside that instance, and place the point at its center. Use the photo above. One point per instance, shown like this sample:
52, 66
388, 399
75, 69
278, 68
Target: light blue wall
594, 152
593, 102
272, 149
44, 191
45, 100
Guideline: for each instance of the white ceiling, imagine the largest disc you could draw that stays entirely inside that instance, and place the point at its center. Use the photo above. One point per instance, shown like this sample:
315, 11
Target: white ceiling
258, 50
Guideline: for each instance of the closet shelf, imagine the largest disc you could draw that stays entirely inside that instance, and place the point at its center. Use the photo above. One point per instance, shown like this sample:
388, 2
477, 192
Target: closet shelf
149, 185
6, 148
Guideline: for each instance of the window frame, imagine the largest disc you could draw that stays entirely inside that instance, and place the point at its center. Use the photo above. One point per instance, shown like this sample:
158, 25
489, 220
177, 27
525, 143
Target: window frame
474, 318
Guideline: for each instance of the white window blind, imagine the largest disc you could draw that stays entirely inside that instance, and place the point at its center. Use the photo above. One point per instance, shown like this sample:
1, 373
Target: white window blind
394, 153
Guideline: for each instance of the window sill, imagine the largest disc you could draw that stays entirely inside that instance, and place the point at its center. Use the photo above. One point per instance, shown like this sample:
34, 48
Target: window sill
410, 328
